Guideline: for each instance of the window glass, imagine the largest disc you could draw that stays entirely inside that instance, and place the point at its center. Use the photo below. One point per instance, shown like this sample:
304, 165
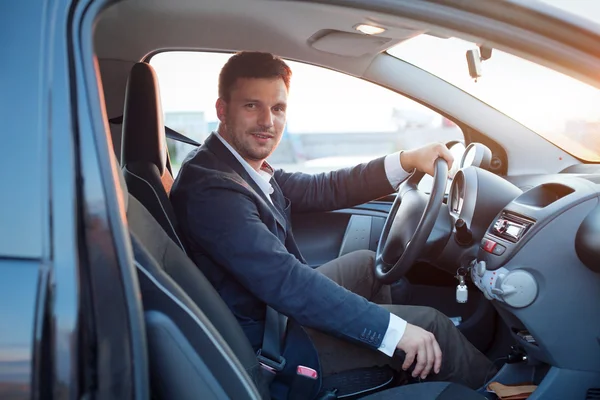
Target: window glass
557, 107
333, 120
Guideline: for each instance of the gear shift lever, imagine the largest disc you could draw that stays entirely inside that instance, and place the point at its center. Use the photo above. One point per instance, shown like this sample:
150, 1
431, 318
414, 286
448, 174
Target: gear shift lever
463, 236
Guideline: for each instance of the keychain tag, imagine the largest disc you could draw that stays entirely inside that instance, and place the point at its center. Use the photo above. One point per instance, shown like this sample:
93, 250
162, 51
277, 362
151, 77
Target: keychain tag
462, 293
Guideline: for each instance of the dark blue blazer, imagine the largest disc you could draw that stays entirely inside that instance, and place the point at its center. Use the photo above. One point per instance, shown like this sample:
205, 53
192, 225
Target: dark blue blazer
245, 246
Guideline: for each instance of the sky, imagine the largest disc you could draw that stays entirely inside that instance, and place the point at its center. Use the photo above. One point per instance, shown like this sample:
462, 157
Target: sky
325, 101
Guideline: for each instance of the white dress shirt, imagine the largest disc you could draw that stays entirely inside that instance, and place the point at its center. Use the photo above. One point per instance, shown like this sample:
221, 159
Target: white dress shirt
395, 175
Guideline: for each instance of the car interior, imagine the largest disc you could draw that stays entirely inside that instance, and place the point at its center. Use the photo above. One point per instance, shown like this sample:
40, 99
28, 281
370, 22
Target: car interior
518, 227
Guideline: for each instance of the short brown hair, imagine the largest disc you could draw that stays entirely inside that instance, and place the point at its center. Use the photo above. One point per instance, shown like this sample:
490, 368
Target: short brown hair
252, 64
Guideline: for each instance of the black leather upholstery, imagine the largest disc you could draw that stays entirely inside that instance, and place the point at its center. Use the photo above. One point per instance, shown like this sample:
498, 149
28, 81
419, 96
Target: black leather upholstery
172, 285
143, 128
181, 366
187, 353
145, 185
144, 151
172, 262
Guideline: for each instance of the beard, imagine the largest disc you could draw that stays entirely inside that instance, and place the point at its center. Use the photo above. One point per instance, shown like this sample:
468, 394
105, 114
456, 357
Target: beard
244, 143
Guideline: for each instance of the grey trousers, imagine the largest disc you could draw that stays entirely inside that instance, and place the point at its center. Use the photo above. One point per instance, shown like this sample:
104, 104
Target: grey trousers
461, 361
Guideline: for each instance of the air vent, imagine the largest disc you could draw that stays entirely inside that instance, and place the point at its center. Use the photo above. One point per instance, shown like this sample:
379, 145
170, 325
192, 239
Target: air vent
593, 394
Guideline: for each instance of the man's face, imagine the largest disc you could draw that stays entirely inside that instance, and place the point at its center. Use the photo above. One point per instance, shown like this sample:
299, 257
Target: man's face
254, 118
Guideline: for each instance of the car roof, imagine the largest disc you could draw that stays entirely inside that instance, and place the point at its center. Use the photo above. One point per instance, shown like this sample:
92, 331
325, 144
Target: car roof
318, 32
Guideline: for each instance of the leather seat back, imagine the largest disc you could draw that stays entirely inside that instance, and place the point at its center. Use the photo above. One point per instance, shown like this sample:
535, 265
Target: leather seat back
190, 329
144, 153
195, 345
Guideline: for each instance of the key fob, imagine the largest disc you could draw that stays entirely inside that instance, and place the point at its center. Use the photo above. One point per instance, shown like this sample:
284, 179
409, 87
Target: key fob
462, 293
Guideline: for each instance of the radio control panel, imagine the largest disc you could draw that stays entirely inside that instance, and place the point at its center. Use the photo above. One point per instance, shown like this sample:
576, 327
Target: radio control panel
511, 227
503, 237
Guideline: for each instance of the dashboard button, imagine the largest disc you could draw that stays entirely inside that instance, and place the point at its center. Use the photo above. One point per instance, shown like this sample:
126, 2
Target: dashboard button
488, 245
498, 249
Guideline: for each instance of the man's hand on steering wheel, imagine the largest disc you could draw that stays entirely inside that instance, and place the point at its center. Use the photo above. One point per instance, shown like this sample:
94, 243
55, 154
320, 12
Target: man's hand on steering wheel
423, 158
414, 213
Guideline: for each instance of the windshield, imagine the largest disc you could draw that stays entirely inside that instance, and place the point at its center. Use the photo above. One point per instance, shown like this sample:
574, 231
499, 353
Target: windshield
561, 109
588, 9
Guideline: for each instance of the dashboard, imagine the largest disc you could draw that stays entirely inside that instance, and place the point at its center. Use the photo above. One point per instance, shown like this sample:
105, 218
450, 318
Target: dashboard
535, 253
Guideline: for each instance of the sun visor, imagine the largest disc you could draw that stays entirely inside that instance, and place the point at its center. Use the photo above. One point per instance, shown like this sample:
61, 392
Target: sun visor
350, 44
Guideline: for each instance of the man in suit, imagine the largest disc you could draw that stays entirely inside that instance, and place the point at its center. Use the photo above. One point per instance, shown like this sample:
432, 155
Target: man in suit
235, 212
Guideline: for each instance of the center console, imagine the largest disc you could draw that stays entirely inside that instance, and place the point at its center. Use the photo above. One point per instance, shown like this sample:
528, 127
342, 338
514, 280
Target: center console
516, 288
536, 264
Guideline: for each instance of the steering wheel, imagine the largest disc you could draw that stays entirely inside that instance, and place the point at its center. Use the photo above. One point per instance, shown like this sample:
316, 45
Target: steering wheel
409, 224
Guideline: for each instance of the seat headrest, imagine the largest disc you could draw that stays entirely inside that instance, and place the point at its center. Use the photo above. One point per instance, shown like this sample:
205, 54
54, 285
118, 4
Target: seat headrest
143, 138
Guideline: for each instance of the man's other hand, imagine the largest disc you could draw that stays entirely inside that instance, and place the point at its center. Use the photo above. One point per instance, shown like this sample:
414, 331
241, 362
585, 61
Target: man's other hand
423, 158
422, 345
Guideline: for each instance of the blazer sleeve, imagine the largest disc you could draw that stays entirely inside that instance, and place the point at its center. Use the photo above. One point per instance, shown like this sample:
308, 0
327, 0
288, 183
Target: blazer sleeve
226, 220
334, 190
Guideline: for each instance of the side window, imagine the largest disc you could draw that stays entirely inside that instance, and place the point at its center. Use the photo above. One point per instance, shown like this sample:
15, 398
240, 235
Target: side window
333, 120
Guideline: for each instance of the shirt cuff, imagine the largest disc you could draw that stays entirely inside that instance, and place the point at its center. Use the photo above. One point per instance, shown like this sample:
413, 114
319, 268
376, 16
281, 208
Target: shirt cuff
394, 171
394, 333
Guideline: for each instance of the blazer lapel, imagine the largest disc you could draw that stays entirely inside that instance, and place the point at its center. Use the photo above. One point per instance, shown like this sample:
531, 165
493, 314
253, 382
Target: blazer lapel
218, 148
279, 198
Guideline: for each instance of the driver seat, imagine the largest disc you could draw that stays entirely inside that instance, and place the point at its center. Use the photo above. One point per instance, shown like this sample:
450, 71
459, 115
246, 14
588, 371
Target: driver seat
196, 347
144, 153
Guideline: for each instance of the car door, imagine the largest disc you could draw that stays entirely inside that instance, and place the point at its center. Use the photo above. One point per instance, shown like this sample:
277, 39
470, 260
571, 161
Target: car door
33, 267
325, 236
69, 325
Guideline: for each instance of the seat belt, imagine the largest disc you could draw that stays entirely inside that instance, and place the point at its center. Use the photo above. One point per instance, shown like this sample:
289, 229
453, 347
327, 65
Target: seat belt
170, 133
269, 355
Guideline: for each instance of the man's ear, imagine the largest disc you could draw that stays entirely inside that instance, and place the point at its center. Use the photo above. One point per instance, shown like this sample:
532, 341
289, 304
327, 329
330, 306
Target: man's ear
221, 108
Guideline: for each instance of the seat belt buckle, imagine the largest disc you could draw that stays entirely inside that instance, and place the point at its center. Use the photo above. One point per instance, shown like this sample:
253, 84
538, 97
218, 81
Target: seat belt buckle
304, 383
307, 372
270, 364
